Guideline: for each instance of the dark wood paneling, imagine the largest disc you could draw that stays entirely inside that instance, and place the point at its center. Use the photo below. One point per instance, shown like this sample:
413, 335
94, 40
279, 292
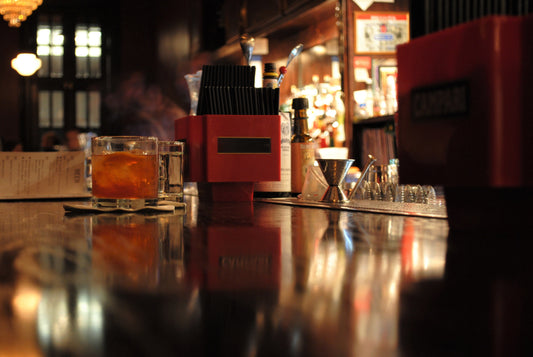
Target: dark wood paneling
10, 89
260, 14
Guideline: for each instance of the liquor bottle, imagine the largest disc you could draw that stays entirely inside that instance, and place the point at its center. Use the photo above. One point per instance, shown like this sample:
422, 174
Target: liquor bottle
270, 76
281, 188
302, 146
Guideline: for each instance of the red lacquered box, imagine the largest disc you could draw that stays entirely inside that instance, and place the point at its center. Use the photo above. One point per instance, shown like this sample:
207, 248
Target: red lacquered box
464, 95
230, 152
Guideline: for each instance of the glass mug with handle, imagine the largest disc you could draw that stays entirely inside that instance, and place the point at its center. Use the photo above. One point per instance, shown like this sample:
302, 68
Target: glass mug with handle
171, 170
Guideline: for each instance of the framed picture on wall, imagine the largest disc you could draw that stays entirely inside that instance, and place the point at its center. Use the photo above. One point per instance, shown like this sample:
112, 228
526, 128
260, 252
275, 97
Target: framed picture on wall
380, 32
387, 79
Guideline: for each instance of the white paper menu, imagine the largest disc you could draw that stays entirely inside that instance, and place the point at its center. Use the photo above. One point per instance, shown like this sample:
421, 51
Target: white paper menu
26, 175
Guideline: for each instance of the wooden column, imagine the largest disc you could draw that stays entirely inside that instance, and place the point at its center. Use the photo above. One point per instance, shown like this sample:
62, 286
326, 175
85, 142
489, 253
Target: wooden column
346, 46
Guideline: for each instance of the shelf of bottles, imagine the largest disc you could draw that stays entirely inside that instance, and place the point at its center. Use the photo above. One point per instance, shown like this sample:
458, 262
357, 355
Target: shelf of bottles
326, 112
326, 106
377, 77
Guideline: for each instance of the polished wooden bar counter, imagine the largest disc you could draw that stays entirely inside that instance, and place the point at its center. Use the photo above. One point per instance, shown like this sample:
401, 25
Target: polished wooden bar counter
254, 279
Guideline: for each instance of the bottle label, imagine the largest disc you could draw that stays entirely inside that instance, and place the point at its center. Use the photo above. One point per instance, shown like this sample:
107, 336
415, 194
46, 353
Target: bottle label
302, 157
271, 82
284, 184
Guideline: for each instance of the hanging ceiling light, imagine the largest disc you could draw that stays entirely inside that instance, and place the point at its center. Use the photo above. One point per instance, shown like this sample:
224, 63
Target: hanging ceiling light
16, 11
26, 64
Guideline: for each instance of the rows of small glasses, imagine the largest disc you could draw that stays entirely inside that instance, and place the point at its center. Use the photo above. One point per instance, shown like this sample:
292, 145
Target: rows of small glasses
382, 184
392, 192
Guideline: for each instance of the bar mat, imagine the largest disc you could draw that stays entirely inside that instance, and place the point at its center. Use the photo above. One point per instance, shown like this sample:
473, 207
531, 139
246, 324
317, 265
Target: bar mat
88, 208
395, 208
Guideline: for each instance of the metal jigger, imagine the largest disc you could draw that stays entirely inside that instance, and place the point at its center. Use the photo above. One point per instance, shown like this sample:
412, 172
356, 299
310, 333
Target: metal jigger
334, 171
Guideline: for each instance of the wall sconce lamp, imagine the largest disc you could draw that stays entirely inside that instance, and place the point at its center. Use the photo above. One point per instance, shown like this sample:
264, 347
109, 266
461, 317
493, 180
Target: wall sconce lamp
26, 64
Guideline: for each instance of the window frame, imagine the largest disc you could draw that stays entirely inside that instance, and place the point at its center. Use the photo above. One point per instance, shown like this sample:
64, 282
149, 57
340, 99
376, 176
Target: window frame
71, 15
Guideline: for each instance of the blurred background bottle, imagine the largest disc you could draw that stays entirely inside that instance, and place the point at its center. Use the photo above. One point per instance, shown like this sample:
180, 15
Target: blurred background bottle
302, 145
270, 76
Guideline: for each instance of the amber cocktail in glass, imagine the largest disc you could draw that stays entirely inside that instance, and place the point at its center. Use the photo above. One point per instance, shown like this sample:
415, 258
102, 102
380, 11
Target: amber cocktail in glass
125, 171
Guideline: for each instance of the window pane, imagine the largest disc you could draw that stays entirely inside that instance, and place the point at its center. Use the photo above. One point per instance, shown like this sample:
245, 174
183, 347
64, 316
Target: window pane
82, 51
50, 41
57, 36
95, 36
94, 109
81, 109
82, 67
95, 52
57, 109
95, 67
43, 52
43, 35
56, 69
88, 51
43, 49
88, 109
57, 51
44, 109
81, 36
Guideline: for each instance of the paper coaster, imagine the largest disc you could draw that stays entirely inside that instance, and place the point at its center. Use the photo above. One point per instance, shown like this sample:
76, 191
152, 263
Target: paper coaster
86, 208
